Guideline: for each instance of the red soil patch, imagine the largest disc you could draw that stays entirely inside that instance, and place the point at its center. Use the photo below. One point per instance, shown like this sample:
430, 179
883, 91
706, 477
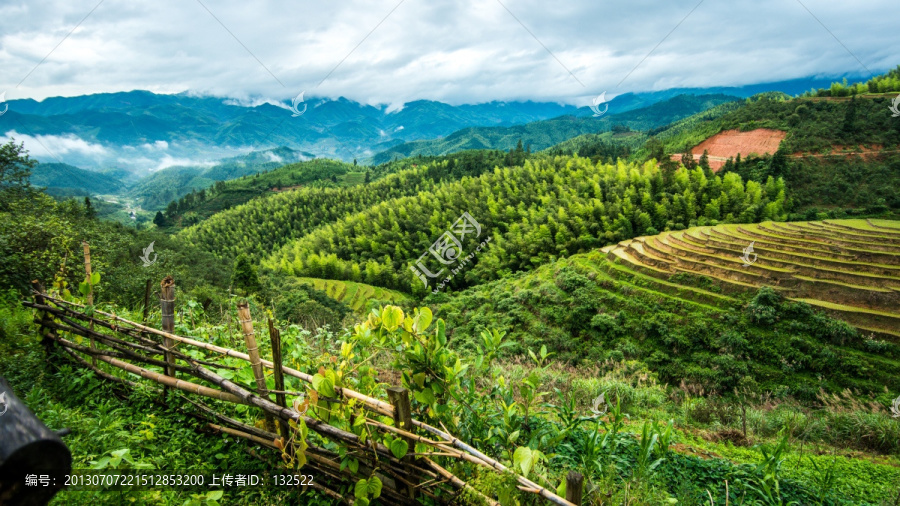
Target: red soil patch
729, 143
286, 188
866, 152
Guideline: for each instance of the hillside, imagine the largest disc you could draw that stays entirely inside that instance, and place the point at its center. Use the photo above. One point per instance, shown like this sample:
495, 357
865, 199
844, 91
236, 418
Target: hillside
543, 134
683, 303
835, 154
283, 216
162, 187
62, 179
358, 296
197, 205
549, 208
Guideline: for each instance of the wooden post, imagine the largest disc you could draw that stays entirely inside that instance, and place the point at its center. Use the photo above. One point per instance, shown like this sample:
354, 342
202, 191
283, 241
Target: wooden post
280, 399
90, 294
574, 487
147, 301
399, 398
167, 308
246, 322
39, 299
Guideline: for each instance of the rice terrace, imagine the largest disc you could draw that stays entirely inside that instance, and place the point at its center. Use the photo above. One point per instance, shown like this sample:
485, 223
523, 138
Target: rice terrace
449, 253
849, 268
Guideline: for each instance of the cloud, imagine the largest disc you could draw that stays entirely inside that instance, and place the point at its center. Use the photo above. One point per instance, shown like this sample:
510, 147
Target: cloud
51, 146
458, 52
273, 157
156, 146
170, 161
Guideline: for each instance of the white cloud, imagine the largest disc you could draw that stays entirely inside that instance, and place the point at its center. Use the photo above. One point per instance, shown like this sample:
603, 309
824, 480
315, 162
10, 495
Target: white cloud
457, 52
273, 157
46, 146
170, 161
156, 146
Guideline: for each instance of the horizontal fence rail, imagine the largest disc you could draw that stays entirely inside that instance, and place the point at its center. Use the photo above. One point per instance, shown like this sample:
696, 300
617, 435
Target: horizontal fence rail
123, 344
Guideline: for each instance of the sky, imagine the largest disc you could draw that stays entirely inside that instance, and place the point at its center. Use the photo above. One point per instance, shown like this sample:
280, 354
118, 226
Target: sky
461, 51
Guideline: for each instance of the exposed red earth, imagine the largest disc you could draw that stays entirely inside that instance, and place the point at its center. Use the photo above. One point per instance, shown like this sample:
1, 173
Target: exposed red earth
729, 143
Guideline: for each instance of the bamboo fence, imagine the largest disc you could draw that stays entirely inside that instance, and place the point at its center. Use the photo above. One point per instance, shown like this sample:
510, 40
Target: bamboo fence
123, 344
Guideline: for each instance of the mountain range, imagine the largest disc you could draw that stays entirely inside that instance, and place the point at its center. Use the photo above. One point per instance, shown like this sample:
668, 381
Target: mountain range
140, 131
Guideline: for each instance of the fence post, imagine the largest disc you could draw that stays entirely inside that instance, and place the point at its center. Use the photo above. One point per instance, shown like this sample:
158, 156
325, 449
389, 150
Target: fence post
167, 309
90, 294
574, 487
246, 322
39, 299
399, 398
147, 301
280, 399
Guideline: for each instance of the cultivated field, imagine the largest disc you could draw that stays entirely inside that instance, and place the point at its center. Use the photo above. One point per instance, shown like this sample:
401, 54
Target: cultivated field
355, 295
848, 268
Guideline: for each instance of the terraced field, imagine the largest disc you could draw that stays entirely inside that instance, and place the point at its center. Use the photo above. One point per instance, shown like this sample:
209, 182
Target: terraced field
354, 178
848, 268
355, 295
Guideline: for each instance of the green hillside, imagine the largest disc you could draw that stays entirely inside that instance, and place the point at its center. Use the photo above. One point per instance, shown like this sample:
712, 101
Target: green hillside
200, 204
547, 209
683, 303
837, 154
278, 218
544, 134
160, 188
358, 296
66, 180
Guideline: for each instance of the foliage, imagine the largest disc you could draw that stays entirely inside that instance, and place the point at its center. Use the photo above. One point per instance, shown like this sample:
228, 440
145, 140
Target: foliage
262, 225
549, 208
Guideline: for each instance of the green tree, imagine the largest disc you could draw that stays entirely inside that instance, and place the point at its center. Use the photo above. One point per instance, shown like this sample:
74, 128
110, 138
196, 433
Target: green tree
89, 210
15, 171
245, 277
159, 220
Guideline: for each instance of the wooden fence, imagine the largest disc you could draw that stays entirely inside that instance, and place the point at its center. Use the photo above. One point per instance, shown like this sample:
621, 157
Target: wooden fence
132, 346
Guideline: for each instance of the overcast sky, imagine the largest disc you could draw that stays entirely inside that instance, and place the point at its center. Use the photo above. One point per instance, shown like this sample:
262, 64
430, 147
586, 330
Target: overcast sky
391, 52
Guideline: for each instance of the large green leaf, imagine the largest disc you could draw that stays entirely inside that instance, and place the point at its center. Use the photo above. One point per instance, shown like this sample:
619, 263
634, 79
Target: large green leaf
423, 320
399, 447
392, 317
374, 487
523, 458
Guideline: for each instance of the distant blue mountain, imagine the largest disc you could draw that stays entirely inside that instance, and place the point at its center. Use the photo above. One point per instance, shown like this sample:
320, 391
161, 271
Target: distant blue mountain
139, 131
